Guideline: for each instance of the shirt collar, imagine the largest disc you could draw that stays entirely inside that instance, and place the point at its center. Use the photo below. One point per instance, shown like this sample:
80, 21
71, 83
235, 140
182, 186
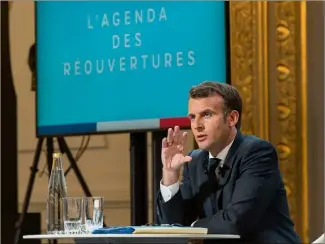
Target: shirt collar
223, 154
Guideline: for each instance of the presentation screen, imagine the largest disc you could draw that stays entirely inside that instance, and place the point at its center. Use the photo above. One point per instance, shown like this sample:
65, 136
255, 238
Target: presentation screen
124, 66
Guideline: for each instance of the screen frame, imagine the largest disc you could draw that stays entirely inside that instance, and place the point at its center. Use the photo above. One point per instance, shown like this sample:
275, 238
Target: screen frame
228, 81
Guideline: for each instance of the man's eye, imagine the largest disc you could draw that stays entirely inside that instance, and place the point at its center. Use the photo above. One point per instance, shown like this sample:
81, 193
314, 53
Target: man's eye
207, 114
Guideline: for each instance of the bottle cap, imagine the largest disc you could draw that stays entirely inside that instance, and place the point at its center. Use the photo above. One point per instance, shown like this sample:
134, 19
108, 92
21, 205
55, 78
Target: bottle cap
57, 155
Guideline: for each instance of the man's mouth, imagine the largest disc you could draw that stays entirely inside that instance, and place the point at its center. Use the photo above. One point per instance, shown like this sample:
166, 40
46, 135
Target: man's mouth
201, 138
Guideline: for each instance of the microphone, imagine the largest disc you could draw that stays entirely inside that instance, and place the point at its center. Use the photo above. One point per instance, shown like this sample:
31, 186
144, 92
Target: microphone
223, 168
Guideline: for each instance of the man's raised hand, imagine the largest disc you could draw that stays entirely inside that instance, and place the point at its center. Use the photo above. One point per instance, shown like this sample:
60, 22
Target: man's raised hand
172, 153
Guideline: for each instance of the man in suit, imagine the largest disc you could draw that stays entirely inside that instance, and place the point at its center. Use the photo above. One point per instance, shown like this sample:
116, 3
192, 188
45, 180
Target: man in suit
232, 183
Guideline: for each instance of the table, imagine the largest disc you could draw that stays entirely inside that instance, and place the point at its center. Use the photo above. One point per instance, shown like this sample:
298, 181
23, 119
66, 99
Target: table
133, 238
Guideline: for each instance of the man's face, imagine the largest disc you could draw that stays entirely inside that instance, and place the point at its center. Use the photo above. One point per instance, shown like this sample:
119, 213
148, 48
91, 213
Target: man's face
210, 126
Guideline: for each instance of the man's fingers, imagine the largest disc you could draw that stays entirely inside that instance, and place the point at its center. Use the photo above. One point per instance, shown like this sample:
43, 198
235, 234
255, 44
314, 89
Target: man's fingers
164, 143
177, 135
186, 159
183, 138
170, 136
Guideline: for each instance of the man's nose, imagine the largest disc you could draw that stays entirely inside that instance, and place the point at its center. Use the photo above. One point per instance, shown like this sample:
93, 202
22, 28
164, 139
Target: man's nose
198, 125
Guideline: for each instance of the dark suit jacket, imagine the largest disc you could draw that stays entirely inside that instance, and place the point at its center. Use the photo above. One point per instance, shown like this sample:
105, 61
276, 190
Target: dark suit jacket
251, 198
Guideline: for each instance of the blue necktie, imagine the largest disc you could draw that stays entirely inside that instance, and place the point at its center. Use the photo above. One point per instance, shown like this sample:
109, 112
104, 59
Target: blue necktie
213, 164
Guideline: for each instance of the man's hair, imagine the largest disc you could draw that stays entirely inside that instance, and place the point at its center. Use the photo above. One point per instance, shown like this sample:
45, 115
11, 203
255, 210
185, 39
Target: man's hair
230, 95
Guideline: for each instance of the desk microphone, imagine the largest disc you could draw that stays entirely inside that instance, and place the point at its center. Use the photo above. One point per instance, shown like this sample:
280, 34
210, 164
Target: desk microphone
223, 168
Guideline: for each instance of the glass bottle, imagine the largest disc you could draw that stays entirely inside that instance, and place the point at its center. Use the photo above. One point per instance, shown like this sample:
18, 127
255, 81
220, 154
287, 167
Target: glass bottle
57, 190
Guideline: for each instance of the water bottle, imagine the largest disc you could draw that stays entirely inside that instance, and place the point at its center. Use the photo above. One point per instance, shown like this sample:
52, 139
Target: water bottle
57, 190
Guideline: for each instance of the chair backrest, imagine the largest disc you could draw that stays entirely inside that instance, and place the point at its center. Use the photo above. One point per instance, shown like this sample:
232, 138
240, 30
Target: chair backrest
320, 239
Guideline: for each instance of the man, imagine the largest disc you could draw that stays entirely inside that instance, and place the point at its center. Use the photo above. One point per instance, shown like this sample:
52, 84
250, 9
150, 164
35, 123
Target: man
232, 183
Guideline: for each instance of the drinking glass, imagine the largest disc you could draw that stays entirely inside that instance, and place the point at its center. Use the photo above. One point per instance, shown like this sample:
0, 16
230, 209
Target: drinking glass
94, 213
72, 215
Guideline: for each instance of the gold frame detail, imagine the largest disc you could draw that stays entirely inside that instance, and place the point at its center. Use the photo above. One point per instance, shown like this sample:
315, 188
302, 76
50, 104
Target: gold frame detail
248, 45
291, 103
268, 67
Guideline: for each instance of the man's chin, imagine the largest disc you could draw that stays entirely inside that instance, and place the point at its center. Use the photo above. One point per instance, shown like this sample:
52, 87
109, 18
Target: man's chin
203, 145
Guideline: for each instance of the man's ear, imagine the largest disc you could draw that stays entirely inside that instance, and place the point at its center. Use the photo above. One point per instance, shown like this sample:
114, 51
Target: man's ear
232, 118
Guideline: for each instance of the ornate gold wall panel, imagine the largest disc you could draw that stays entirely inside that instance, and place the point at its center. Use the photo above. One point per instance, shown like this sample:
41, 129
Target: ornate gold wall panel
291, 103
248, 44
268, 66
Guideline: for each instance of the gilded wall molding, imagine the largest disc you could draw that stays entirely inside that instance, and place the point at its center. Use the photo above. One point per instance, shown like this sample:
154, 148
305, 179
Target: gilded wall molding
268, 67
290, 99
248, 57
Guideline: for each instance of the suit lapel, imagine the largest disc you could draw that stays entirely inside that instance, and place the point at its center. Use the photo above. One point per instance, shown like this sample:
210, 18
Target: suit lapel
223, 179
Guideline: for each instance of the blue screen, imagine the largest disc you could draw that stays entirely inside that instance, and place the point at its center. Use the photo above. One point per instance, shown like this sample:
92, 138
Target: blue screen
114, 66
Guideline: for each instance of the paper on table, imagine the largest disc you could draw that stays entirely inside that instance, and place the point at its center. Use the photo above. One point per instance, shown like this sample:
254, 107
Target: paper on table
168, 230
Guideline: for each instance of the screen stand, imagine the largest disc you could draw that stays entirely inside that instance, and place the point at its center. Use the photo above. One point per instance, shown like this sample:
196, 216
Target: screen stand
64, 150
139, 184
157, 137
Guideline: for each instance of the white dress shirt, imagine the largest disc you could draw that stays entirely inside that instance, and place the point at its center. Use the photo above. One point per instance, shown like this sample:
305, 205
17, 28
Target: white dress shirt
167, 192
